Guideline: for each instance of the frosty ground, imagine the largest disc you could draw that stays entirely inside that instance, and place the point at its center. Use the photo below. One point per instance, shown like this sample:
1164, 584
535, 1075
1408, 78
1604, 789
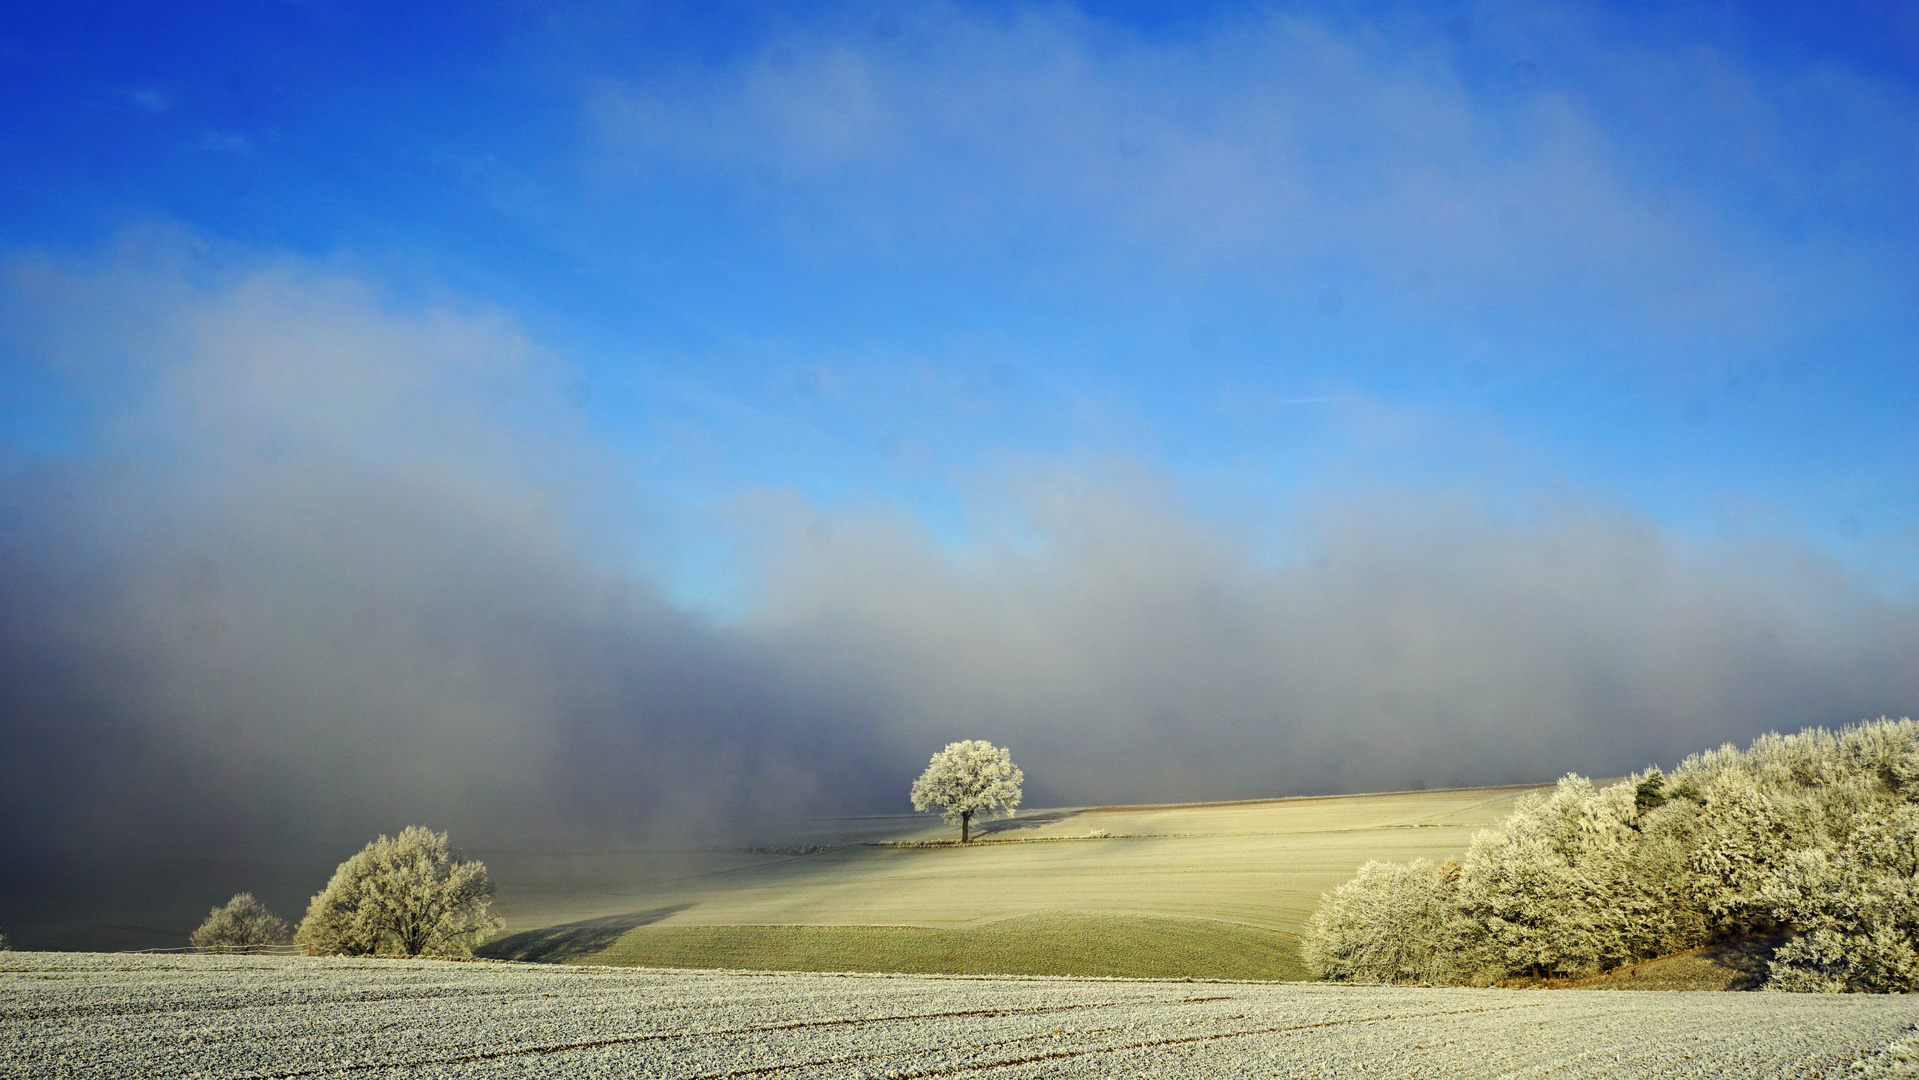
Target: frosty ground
68, 1014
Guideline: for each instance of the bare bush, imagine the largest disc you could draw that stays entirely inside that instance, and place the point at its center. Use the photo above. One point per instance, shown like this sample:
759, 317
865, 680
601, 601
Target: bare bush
243, 925
408, 895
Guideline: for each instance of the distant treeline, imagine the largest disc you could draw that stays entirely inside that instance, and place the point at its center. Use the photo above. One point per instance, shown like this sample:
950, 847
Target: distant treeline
1815, 833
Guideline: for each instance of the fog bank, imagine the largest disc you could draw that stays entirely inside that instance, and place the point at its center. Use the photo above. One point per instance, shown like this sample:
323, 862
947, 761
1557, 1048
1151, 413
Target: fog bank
333, 563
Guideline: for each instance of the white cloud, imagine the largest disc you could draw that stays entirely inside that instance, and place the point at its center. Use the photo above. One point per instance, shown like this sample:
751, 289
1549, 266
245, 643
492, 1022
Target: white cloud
1604, 201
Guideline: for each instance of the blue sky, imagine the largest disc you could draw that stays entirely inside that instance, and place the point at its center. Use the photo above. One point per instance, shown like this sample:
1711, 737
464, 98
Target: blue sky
1660, 256
1296, 397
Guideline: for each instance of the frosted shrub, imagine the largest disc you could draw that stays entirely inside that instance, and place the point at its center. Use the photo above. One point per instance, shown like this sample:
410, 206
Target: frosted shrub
1743, 832
1888, 751
1669, 899
1857, 910
243, 925
407, 896
1549, 892
1815, 831
1389, 924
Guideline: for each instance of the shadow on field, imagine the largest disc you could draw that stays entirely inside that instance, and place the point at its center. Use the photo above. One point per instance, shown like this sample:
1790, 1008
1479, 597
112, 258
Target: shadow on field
572, 941
1739, 964
1023, 821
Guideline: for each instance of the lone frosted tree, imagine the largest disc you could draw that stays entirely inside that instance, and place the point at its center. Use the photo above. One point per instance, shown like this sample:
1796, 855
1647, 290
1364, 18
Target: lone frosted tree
407, 895
967, 778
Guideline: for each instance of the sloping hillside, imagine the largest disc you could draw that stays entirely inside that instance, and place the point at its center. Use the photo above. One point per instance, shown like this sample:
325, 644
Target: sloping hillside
1197, 889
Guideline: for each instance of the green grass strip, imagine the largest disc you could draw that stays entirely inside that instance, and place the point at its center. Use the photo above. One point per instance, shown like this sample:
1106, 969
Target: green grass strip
1133, 946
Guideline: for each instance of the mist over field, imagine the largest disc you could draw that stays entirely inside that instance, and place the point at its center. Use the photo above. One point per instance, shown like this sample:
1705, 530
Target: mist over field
336, 564
642, 427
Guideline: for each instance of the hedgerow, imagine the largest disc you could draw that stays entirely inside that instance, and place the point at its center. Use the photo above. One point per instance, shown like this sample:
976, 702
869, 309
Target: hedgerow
1815, 834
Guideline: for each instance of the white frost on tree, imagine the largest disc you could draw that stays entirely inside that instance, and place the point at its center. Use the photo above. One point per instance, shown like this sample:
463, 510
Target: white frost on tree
244, 924
1814, 833
968, 778
1389, 924
1551, 892
1856, 909
409, 895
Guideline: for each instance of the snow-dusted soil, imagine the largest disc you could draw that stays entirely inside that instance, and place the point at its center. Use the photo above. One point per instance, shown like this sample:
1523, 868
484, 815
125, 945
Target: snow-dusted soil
110, 1015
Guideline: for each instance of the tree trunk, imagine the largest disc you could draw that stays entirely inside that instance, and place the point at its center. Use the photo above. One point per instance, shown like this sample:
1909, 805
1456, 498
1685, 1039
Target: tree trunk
966, 821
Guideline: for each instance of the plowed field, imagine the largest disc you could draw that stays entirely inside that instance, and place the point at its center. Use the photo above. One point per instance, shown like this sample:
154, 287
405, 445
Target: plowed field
107, 1015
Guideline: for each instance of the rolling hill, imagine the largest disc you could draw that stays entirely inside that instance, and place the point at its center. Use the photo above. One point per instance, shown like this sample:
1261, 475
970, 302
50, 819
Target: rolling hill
1201, 890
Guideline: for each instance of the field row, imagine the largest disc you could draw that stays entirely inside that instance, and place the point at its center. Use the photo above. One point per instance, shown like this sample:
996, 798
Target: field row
280, 1018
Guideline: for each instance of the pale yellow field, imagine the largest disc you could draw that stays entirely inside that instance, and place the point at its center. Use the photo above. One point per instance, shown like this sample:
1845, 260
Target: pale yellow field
1257, 865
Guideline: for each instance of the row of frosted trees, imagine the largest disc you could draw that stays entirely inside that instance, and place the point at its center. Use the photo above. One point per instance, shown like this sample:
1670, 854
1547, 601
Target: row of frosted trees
1815, 833
409, 895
